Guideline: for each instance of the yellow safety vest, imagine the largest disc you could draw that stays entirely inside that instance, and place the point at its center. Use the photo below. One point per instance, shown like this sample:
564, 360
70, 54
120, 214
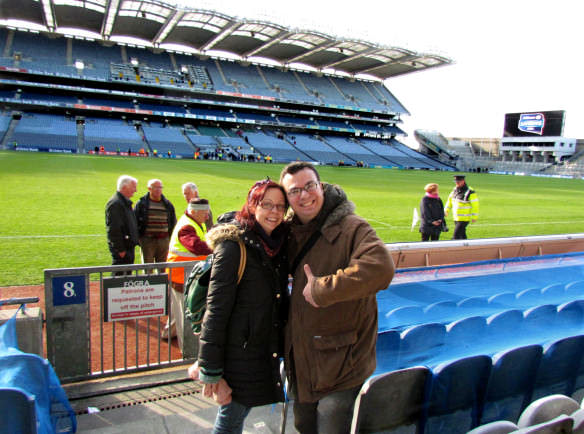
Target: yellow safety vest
179, 253
465, 209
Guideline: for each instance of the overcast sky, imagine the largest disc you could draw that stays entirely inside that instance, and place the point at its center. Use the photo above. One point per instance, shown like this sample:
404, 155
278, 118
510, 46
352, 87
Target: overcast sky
510, 56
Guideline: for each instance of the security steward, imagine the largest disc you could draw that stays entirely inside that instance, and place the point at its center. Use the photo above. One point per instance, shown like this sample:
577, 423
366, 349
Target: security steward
464, 203
187, 243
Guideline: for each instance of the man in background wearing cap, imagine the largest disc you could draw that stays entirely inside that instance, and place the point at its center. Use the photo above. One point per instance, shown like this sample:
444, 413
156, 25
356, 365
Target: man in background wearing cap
190, 191
187, 243
464, 202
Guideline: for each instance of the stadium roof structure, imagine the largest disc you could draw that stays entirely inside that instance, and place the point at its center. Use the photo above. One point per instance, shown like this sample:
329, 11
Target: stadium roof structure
161, 25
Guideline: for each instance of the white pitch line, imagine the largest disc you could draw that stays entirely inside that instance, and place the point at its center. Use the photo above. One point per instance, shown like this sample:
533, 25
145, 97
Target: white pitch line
17, 237
490, 224
382, 223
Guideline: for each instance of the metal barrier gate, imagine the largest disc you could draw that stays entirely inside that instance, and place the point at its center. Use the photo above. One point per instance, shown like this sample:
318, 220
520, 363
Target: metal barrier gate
99, 325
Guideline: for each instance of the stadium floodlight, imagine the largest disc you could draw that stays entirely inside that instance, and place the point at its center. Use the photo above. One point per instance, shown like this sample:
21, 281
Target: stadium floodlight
79, 64
134, 61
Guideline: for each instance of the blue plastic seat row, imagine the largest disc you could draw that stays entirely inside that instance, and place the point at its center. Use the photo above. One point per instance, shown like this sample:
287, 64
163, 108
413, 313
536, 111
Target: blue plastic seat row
450, 310
432, 343
458, 395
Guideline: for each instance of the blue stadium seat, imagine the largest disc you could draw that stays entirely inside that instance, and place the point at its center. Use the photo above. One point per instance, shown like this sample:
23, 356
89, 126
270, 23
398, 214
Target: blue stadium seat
387, 350
421, 344
558, 368
19, 412
570, 317
374, 412
529, 297
578, 387
465, 337
505, 328
441, 311
575, 289
511, 383
503, 300
456, 395
404, 316
554, 293
539, 324
474, 305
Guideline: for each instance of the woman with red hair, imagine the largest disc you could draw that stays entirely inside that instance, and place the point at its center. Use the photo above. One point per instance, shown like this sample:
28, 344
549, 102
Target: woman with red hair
241, 338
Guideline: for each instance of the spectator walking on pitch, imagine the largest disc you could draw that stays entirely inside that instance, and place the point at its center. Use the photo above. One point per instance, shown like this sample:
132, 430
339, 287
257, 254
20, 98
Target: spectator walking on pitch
242, 331
120, 221
156, 219
464, 203
431, 214
186, 244
338, 264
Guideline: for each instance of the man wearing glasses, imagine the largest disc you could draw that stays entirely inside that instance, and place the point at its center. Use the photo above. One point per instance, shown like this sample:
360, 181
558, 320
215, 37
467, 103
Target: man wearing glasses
338, 264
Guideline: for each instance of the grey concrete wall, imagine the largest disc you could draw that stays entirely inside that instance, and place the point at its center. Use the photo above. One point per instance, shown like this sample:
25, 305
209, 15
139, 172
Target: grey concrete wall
29, 329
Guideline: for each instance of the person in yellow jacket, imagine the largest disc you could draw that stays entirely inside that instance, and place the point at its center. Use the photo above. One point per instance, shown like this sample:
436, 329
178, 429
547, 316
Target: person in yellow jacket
464, 203
187, 243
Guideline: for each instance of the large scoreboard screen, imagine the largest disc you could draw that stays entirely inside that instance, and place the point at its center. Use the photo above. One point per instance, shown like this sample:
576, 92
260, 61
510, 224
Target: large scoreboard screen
529, 124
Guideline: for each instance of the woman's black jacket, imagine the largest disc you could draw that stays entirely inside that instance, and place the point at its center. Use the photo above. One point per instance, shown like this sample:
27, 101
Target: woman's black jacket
431, 209
242, 332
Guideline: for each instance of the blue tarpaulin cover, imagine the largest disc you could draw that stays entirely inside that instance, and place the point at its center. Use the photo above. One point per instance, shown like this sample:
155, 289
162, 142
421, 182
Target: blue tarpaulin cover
36, 376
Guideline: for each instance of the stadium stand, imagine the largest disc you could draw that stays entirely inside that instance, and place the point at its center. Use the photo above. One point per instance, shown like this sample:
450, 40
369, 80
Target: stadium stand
42, 131
112, 134
288, 85
356, 151
320, 151
128, 76
165, 139
5, 119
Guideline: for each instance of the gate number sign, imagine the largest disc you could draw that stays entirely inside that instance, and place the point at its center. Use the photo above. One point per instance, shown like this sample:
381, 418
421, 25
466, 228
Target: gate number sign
68, 290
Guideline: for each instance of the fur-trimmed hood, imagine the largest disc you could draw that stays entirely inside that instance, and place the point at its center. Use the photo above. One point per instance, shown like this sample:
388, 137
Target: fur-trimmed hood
222, 232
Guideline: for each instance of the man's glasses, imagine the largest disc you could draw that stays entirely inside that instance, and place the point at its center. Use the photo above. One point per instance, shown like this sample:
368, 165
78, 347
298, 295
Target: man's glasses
268, 205
309, 188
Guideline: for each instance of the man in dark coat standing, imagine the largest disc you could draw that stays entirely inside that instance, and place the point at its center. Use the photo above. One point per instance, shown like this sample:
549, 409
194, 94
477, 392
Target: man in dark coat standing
122, 229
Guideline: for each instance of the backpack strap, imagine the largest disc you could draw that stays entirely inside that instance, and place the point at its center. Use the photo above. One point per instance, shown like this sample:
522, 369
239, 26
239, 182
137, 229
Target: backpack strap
305, 248
242, 260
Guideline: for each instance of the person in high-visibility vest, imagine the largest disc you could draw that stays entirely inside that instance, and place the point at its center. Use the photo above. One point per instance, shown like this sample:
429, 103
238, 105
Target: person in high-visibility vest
187, 243
464, 203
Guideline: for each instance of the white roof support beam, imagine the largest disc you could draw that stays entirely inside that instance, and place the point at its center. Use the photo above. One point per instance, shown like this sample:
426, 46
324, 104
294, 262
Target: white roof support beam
268, 44
316, 49
384, 64
168, 26
49, 15
221, 35
111, 12
354, 56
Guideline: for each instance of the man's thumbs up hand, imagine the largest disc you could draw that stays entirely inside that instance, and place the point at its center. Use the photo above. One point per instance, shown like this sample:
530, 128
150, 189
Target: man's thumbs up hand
307, 293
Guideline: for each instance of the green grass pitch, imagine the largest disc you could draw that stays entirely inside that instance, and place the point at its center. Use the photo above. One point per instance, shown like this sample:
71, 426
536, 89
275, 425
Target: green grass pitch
54, 204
